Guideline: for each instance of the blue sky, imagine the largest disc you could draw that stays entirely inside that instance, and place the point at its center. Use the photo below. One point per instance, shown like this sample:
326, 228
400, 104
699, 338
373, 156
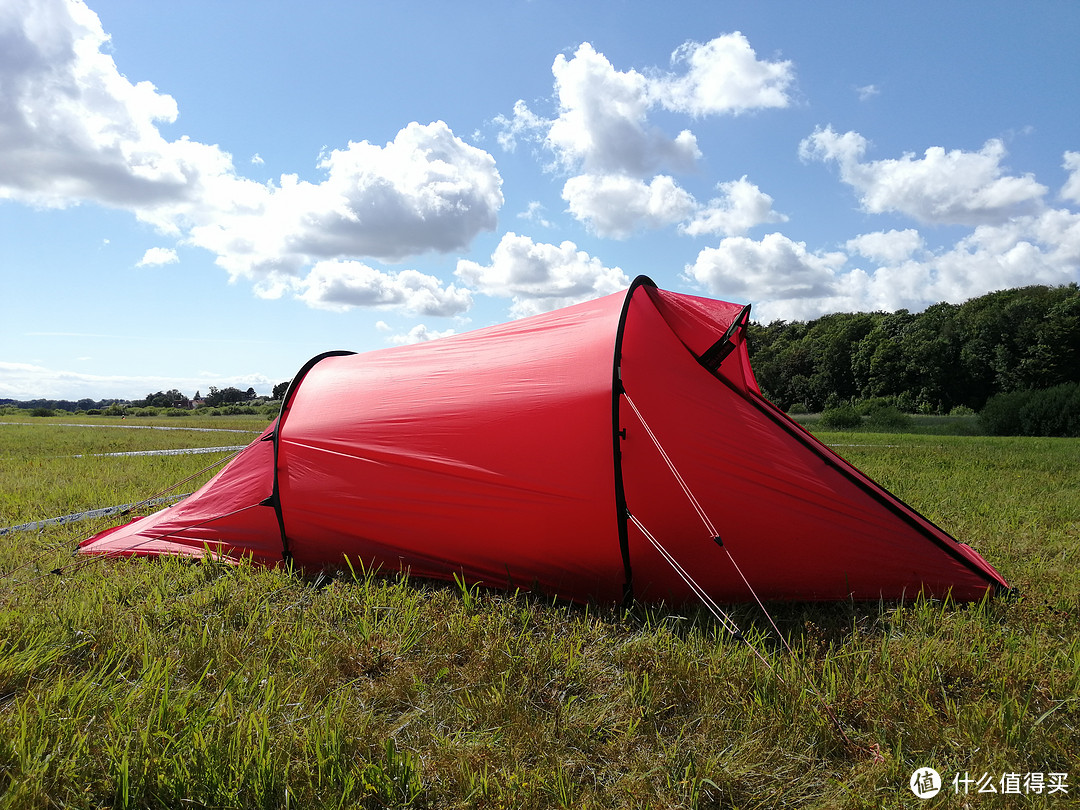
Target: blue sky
203, 193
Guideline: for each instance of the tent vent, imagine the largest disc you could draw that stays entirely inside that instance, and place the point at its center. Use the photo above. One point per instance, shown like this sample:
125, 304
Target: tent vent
713, 356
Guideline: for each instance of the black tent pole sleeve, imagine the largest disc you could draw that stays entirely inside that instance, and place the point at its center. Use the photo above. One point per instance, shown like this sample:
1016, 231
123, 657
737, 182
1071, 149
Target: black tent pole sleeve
286, 401
622, 515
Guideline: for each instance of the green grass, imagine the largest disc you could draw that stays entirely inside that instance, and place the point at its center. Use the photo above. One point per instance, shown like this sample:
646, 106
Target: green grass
168, 684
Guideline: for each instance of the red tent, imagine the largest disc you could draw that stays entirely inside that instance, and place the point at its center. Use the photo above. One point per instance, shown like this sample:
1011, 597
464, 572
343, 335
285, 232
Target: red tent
617, 446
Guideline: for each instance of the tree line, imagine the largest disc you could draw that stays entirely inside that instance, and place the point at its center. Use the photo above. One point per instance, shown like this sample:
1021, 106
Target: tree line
946, 357
173, 398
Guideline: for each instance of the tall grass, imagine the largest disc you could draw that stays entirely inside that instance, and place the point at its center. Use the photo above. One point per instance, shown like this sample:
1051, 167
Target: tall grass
170, 684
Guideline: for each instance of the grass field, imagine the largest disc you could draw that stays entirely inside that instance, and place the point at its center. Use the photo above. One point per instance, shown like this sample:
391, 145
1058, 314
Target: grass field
165, 684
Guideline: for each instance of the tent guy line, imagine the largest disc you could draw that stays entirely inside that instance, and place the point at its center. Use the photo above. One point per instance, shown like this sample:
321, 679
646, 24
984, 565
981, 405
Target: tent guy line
177, 452
91, 513
184, 451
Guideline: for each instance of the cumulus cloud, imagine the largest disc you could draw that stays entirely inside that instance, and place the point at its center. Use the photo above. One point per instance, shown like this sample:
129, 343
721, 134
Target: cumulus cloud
941, 188
889, 247
740, 207
723, 75
1039, 249
773, 268
427, 190
1071, 190
540, 277
615, 205
419, 334
157, 256
602, 124
602, 134
73, 129
786, 280
343, 285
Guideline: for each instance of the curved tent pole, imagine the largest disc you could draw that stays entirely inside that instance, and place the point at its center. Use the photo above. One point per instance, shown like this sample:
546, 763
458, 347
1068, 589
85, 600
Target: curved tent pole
622, 514
275, 436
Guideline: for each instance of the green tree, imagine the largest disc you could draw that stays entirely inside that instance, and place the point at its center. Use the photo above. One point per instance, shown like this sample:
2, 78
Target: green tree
226, 396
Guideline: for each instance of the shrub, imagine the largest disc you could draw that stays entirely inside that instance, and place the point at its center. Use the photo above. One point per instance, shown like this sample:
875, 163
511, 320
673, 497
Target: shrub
176, 412
239, 410
843, 418
889, 417
867, 406
796, 408
1046, 412
42, 412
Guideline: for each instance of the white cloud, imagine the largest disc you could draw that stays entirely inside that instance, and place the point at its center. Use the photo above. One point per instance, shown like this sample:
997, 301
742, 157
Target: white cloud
889, 247
867, 91
1071, 190
26, 381
773, 268
602, 123
427, 190
158, 256
342, 285
603, 133
942, 188
1042, 249
74, 129
723, 75
256, 160
615, 205
741, 206
419, 334
523, 124
786, 280
535, 213
540, 277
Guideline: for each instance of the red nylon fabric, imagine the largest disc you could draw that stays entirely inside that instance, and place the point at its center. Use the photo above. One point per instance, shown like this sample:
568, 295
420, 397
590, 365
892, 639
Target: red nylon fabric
491, 455
796, 518
223, 517
488, 455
